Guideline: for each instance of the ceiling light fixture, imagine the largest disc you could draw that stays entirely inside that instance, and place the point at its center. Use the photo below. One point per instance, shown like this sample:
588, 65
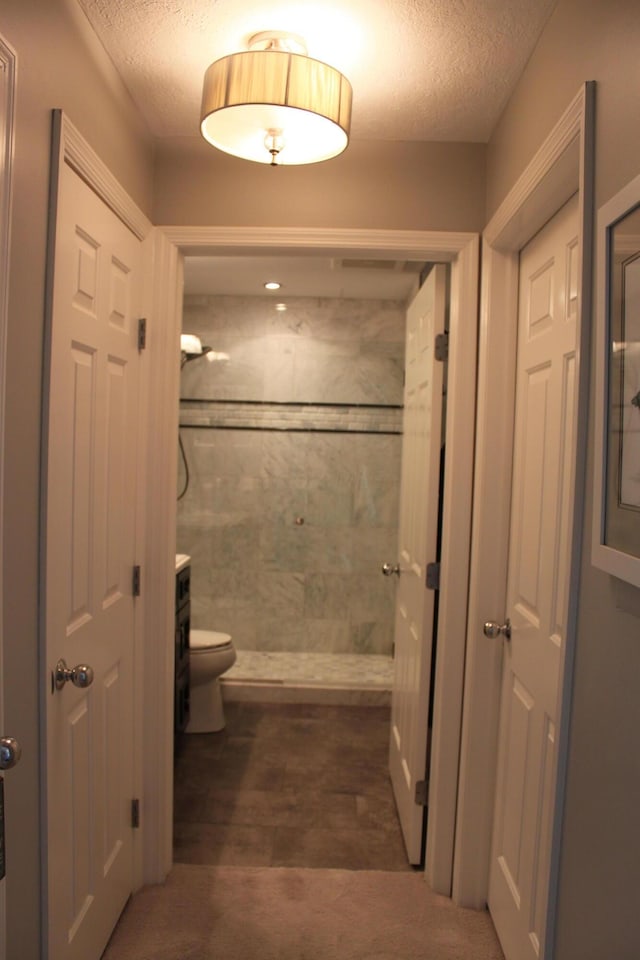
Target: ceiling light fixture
272, 285
274, 104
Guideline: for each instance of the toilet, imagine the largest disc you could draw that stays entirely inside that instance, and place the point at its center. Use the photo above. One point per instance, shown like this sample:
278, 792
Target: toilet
210, 655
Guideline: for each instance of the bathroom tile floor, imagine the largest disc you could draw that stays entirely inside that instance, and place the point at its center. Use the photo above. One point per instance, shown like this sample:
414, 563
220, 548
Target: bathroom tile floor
302, 785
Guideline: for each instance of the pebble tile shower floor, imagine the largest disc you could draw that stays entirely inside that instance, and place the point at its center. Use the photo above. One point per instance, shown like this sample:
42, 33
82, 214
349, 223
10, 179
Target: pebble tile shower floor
349, 670
286, 785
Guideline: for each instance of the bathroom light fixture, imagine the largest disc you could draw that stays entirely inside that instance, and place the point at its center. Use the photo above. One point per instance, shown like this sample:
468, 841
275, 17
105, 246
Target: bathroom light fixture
191, 348
272, 285
274, 104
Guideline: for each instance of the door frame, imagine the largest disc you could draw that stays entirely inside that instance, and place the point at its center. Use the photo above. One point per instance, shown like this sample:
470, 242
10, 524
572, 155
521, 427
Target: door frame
461, 250
562, 166
8, 68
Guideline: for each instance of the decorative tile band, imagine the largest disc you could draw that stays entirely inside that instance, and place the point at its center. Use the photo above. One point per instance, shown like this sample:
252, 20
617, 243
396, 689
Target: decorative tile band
307, 417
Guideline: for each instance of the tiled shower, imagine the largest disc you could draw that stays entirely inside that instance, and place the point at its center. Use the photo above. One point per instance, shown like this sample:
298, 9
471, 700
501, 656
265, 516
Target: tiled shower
292, 432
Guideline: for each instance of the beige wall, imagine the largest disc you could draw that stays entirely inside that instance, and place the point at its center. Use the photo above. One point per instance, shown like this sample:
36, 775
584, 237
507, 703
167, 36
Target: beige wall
57, 67
584, 40
383, 185
599, 892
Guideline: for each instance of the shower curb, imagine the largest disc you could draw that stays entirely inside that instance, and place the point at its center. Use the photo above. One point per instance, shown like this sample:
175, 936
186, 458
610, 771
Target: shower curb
279, 691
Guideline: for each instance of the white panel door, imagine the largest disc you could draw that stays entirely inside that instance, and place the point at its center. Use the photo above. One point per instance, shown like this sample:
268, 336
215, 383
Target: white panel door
538, 582
418, 528
90, 554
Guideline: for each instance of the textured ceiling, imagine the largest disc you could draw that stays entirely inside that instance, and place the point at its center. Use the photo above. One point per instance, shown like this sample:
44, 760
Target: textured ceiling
420, 69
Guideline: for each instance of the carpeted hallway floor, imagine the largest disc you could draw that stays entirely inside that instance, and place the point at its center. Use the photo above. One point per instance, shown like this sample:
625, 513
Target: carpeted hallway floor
275, 913
288, 847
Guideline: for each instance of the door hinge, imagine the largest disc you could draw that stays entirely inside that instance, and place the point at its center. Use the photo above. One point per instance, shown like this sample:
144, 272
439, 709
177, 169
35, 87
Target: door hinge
142, 334
135, 813
433, 576
422, 792
442, 346
136, 580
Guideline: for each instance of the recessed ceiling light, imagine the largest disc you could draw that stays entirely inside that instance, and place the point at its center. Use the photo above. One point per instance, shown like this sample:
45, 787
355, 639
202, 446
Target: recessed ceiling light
272, 285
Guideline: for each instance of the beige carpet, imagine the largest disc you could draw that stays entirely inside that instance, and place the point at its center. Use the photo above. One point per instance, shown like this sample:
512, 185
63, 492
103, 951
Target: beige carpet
277, 913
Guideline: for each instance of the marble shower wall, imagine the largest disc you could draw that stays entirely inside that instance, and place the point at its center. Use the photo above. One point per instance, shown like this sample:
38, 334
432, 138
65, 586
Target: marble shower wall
292, 505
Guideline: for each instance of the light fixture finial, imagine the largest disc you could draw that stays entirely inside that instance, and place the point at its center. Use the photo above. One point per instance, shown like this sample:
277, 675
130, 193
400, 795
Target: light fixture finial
274, 142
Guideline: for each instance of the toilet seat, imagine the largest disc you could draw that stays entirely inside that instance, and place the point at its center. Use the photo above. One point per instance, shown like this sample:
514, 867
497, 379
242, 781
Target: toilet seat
201, 641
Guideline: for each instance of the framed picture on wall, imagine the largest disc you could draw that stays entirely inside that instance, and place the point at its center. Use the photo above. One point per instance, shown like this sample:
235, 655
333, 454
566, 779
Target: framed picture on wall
616, 521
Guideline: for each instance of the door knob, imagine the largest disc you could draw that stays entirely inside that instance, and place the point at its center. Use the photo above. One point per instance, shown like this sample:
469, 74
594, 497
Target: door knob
389, 569
80, 676
10, 752
494, 630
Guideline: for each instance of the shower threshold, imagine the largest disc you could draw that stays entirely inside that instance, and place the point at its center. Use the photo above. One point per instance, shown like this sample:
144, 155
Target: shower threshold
284, 677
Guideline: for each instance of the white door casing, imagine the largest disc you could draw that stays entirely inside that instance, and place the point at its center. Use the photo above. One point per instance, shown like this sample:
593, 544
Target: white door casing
417, 540
538, 583
461, 251
89, 557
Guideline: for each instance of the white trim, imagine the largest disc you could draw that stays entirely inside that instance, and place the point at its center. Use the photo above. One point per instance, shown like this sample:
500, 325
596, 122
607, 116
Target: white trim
489, 541
88, 165
615, 562
462, 250
8, 69
165, 313
560, 168
544, 186
455, 555
411, 244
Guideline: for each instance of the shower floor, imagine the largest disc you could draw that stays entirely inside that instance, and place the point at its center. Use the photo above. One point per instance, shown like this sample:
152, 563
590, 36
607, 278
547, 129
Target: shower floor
340, 678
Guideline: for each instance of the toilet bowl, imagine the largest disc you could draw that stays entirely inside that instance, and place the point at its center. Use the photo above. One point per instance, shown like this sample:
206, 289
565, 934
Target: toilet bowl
210, 654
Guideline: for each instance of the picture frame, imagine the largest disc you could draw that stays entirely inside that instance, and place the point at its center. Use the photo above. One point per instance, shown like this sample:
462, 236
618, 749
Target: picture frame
616, 505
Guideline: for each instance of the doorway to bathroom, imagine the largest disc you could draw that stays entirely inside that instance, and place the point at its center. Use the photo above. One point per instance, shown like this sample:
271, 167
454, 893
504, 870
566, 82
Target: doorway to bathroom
461, 252
291, 427
289, 482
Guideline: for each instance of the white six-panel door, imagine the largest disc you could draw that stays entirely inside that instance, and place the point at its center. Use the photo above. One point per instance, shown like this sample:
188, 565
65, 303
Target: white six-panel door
419, 494
538, 582
90, 554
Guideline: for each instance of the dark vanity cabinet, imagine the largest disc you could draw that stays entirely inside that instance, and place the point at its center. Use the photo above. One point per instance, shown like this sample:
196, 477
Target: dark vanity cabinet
183, 615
